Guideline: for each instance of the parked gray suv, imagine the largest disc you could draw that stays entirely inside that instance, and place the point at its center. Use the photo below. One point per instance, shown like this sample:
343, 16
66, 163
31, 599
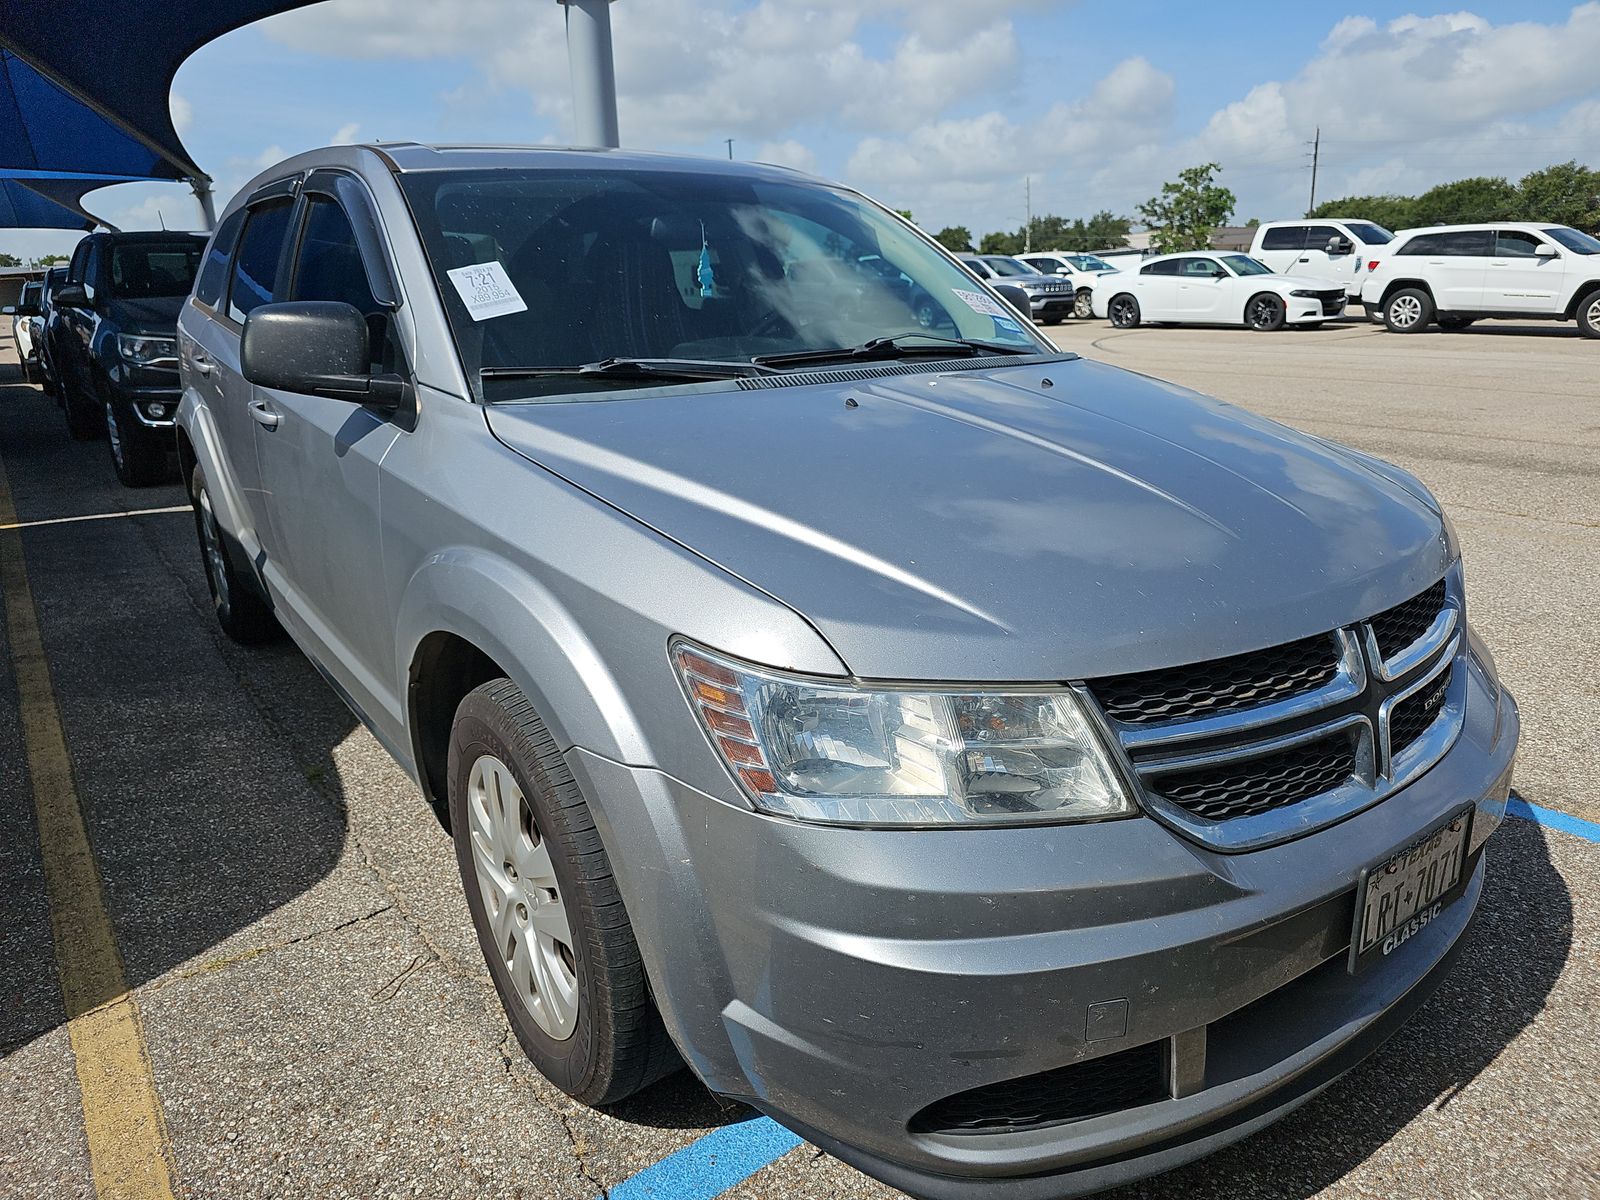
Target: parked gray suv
1013, 774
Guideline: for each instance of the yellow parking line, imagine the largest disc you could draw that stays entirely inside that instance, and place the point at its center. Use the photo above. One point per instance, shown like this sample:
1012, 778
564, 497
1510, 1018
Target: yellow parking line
130, 1156
110, 516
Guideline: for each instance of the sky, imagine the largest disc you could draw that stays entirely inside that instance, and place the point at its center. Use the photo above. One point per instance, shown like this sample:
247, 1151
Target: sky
943, 107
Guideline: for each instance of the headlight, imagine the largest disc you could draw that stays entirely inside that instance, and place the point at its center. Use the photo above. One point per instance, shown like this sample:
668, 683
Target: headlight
821, 751
1304, 293
141, 350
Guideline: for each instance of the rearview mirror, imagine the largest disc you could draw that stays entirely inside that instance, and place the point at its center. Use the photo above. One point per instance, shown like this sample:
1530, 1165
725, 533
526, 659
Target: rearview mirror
317, 348
1545, 250
1015, 296
70, 295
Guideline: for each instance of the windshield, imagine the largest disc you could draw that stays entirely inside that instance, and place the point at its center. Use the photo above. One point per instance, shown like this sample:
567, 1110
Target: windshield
560, 268
1369, 234
1088, 262
142, 270
1243, 264
1572, 239
1001, 265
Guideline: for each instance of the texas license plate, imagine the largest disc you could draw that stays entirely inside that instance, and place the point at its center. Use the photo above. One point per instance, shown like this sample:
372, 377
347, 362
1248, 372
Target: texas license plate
1397, 898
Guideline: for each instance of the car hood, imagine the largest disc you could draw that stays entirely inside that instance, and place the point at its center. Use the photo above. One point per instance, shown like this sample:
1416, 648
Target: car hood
155, 314
1030, 522
1321, 283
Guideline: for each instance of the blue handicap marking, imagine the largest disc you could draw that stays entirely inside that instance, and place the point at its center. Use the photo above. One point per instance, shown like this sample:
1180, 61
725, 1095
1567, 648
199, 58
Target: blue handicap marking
1549, 818
712, 1165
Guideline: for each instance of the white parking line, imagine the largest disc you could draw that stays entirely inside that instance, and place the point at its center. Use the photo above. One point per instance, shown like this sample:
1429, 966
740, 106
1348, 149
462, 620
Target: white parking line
110, 516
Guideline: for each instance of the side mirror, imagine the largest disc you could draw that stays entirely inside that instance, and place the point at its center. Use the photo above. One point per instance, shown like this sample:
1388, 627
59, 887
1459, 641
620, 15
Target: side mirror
318, 348
1337, 245
71, 295
20, 310
1016, 297
1546, 250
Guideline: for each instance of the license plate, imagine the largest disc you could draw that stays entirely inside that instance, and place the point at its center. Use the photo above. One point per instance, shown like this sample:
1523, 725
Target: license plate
1398, 897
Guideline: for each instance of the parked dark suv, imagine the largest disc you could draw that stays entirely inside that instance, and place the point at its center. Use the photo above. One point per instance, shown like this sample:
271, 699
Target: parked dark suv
112, 344
45, 373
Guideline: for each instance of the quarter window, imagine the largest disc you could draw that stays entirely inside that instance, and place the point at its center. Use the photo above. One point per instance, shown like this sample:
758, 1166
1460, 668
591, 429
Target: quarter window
1423, 243
214, 271
255, 269
1284, 237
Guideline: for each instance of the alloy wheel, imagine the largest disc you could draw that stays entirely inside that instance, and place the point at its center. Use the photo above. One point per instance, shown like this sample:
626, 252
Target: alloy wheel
1405, 311
1262, 313
1083, 304
114, 435
1593, 313
522, 899
211, 545
1122, 311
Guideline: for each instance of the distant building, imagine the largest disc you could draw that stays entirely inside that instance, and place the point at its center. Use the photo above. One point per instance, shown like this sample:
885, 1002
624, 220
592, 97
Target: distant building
1232, 237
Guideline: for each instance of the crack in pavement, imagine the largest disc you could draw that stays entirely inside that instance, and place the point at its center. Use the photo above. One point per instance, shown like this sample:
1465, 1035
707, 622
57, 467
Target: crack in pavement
222, 962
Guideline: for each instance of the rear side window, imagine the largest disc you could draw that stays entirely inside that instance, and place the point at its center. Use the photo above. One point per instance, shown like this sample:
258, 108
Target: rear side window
214, 271
329, 267
1285, 237
255, 268
1466, 243
1168, 267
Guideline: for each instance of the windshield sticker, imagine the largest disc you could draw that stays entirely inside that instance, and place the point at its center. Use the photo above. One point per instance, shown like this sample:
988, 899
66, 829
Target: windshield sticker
1007, 325
979, 303
487, 291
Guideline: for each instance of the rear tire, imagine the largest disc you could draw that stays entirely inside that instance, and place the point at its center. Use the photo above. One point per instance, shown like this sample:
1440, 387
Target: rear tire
1266, 312
241, 610
545, 905
1123, 312
1410, 310
1589, 315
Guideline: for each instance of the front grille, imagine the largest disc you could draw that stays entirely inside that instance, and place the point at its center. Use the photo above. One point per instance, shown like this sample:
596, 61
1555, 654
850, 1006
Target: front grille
1222, 685
1400, 626
1412, 716
1117, 1081
1245, 787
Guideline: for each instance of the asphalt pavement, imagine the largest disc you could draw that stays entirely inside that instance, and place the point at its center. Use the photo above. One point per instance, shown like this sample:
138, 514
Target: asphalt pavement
288, 919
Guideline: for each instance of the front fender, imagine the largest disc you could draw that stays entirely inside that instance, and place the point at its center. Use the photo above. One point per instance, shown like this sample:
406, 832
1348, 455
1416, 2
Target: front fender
517, 621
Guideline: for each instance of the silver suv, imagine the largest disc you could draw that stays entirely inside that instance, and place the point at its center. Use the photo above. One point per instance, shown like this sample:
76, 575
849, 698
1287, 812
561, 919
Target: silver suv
1015, 775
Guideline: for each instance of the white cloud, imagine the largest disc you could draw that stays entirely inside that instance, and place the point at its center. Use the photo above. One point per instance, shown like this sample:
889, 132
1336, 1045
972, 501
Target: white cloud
182, 112
346, 134
788, 153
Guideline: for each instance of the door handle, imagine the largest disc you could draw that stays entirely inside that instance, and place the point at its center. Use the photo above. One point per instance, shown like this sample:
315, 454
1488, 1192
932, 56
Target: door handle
261, 413
201, 363
1305, 260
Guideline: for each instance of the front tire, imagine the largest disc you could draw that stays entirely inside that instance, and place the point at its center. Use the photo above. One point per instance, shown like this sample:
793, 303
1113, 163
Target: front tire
241, 610
1410, 310
1589, 315
1083, 304
1266, 313
545, 905
136, 461
1123, 312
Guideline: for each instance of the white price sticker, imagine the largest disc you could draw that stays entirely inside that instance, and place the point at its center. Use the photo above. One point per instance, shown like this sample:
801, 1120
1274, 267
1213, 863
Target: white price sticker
980, 303
487, 291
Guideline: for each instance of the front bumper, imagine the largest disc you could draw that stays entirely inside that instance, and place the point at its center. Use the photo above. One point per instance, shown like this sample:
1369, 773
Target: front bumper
1052, 306
845, 980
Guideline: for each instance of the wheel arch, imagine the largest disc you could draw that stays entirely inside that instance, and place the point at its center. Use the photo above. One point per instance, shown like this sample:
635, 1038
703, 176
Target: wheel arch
1400, 285
1583, 293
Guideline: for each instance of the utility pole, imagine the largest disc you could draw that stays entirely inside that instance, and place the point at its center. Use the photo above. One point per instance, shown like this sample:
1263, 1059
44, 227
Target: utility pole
730, 147
1027, 199
594, 77
1316, 155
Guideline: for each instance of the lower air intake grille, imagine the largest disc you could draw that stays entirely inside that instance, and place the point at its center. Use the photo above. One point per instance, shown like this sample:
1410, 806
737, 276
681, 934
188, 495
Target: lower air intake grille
1224, 684
1125, 1079
1245, 787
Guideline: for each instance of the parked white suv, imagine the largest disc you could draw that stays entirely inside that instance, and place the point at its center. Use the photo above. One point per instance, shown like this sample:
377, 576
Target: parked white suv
1322, 249
1081, 270
1454, 274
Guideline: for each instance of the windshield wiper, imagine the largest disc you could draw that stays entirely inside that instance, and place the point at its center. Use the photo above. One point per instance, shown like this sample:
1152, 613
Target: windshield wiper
634, 368
894, 347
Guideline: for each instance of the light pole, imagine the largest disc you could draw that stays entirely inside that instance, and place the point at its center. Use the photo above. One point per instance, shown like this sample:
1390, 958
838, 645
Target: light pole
594, 77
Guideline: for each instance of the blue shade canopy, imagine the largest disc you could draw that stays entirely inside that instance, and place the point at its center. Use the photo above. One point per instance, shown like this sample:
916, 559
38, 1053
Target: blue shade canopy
21, 207
85, 85
69, 191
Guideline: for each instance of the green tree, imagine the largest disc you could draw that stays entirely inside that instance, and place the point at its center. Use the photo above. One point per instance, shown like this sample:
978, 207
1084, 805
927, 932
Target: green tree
1467, 201
906, 213
1103, 231
1563, 194
1392, 212
1187, 210
1000, 243
9, 260
50, 260
957, 238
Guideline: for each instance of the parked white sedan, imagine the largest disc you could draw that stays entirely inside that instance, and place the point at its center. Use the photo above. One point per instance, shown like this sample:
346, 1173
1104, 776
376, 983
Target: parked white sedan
1214, 289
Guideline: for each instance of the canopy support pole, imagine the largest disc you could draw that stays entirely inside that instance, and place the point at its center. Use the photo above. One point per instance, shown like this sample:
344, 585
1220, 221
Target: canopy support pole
594, 77
208, 204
